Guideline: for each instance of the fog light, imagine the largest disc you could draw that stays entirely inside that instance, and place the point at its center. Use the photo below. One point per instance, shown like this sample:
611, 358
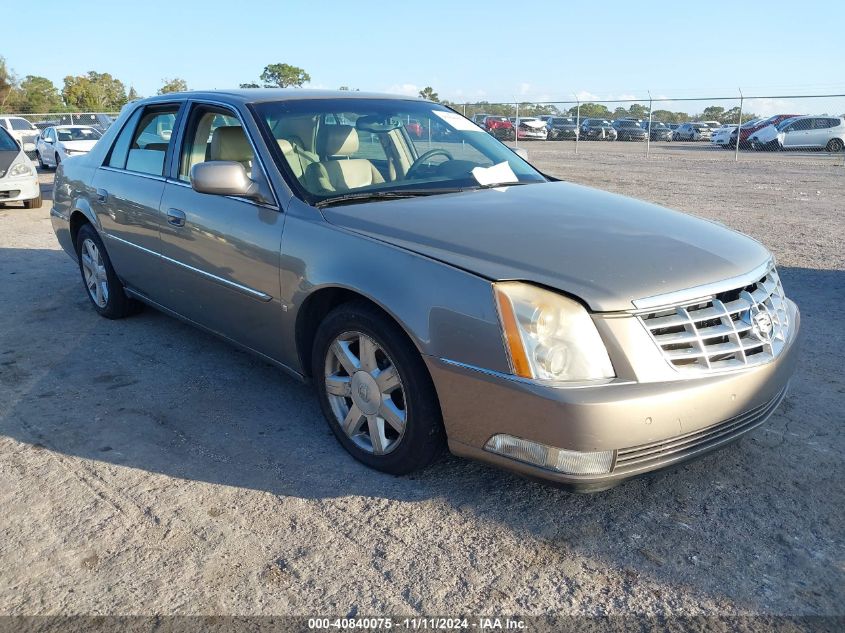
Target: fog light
559, 459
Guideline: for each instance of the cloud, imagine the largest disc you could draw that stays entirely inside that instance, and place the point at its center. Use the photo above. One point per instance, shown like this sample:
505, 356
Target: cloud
408, 90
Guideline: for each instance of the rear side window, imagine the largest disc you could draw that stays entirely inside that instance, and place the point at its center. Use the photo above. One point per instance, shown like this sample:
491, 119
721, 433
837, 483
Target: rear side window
142, 147
117, 158
21, 124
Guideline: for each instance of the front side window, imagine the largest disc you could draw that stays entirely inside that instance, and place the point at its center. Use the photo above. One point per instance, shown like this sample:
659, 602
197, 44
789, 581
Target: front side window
799, 126
214, 134
333, 147
7, 143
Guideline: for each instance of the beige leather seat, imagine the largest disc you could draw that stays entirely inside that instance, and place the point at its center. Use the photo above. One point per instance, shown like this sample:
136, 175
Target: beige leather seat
230, 143
337, 172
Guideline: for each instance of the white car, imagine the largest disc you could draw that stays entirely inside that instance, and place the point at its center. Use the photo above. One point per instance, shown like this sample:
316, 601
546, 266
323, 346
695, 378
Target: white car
721, 137
18, 179
21, 130
63, 141
802, 132
530, 128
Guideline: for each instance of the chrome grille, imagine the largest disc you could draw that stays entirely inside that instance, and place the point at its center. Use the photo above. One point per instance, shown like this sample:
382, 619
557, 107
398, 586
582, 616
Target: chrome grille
728, 330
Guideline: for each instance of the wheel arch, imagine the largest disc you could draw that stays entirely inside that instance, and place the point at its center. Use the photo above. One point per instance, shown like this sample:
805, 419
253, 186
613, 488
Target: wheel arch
319, 303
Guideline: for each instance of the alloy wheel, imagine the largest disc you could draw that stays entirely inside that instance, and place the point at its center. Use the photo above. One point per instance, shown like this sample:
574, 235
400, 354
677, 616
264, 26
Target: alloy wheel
365, 393
94, 270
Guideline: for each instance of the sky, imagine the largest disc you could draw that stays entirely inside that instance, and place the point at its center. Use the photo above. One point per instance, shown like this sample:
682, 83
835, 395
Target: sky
469, 51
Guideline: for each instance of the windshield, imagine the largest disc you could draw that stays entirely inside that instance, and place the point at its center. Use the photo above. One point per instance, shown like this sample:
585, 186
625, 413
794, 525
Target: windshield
340, 147
784, 123
627, 124
562, 122
7, 143
78, 134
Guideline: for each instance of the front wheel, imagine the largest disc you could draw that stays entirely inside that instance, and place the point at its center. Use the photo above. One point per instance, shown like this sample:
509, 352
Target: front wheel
375, 390
105, 289
41, 162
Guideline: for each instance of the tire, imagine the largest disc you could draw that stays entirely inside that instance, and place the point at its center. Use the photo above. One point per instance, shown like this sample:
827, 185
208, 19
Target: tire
356, 394
35, 203
41, 163
109, 299
58, 160
835, 145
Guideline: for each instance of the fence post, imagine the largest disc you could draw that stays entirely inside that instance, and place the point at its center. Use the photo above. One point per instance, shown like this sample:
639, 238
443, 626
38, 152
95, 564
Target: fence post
465, 109
516, 127
648, 136
577, 122
738, 127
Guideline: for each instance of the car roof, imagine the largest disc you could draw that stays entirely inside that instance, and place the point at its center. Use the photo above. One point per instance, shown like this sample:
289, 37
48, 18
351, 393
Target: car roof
259, 95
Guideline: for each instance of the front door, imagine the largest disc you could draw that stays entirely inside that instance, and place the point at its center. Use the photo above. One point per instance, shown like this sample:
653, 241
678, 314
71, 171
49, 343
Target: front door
222, 252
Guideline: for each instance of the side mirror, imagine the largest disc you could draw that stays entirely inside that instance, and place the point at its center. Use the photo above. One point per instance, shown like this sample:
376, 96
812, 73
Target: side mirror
223, 178
523, 154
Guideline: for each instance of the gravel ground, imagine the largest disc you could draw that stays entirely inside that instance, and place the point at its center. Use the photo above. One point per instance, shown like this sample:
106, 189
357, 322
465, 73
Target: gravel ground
146, 467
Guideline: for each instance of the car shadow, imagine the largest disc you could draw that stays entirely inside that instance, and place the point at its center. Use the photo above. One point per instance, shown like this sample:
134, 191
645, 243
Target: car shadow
154, 394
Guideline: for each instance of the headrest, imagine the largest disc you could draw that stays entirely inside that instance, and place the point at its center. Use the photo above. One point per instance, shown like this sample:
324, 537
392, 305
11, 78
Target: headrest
299, 129
230, 143
285, 146
339, 140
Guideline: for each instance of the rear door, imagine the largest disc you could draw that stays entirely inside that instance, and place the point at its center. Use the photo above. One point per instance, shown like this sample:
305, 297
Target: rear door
820, 132
129, 186
222, 252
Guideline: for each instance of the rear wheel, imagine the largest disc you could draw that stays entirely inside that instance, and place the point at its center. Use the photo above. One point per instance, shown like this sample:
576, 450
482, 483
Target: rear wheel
104, 288
375, 390
835, 145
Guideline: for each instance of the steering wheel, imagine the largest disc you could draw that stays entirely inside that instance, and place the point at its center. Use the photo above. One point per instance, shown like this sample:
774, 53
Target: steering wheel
425, 156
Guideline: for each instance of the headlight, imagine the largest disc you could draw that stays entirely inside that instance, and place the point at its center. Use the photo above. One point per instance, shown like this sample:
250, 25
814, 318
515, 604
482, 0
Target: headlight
20, 169
549, 336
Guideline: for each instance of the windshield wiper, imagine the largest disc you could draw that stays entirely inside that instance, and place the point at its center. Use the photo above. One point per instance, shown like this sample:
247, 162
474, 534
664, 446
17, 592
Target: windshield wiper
367, 196
494, 185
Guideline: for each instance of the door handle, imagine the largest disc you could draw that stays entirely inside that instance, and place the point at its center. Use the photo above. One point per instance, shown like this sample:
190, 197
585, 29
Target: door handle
102, 195
175, 217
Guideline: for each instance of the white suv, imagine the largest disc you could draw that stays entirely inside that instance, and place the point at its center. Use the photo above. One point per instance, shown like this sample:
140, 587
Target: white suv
21, 130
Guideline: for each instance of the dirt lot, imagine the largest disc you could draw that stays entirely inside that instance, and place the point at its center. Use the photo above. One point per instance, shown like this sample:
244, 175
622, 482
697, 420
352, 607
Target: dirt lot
146, 467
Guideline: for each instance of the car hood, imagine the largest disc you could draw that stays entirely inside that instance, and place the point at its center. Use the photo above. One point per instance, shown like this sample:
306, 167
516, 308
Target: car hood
766, 134
79, 146
607, 249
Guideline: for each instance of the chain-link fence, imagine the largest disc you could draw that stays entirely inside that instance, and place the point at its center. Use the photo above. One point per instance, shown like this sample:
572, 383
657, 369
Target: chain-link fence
47, 119
731, 127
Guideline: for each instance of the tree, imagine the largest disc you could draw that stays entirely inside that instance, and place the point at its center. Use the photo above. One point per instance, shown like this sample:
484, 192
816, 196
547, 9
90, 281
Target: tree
284, 76
8, 82
428, 93
591, 111
250, 85
38, 94
94, 92
133, 94
173, 85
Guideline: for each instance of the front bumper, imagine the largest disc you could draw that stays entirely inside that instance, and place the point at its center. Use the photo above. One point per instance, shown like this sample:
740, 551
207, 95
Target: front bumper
18, 190
648, 425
